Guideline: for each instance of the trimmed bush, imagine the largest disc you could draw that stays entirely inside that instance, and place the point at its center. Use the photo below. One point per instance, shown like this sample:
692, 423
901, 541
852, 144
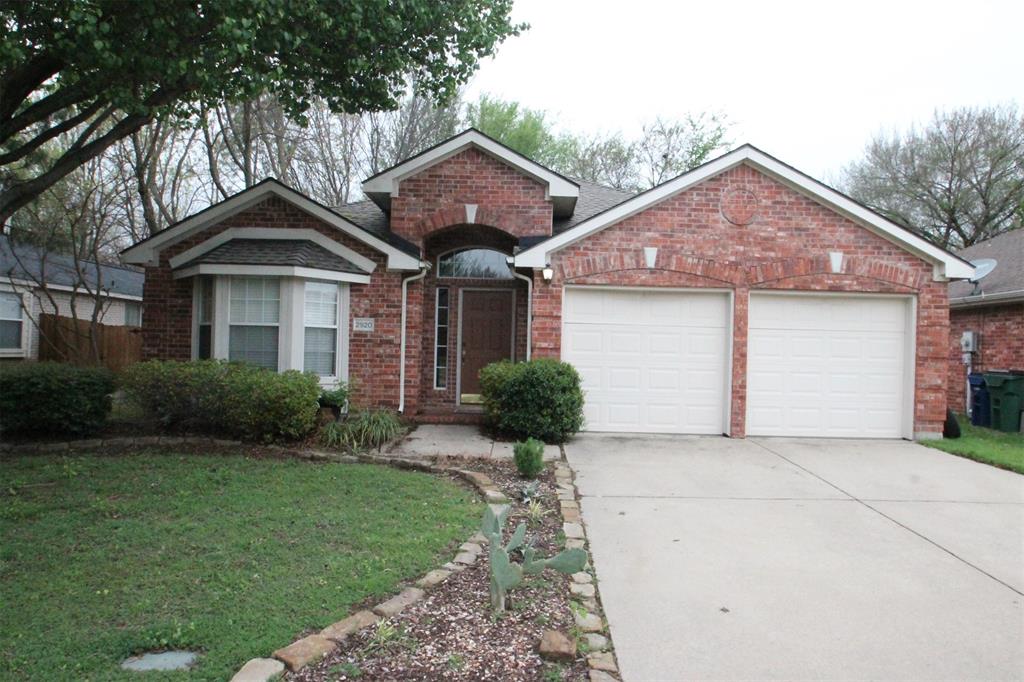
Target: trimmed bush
529, 457
539, 399
227, 398
54, 398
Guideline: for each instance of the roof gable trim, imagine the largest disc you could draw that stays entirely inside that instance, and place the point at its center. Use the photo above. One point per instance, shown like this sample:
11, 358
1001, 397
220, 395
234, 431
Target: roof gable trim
947, 264
147, 251
561, 190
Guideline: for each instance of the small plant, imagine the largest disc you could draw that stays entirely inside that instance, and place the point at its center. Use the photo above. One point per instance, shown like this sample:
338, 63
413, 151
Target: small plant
506, 575
334, 397
529, 457
553, 672
530, 491
456, 662
383, 636
535, 512
348, 669
362, 430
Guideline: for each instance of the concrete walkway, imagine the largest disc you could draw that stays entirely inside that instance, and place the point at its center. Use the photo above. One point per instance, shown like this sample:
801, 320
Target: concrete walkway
794, 559
458, 440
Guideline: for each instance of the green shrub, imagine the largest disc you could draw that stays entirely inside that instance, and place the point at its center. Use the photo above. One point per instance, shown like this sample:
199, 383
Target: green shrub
227, 398
362, 430
54, 398
529, 457
334, 397
540, 399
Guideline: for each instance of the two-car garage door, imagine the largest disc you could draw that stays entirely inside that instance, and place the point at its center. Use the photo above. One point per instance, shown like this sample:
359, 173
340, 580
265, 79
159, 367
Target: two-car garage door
818, 365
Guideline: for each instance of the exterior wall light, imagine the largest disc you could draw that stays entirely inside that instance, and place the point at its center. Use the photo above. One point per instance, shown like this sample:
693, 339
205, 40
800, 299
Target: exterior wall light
548, 273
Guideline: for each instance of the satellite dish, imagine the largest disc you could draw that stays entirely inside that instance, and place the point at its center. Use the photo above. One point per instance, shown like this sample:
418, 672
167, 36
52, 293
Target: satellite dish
982, 267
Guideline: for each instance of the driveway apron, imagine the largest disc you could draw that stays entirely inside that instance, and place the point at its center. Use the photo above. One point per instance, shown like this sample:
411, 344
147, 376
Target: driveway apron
791, 559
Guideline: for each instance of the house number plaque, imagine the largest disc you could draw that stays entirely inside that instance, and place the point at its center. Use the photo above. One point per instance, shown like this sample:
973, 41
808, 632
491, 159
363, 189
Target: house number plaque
362, 324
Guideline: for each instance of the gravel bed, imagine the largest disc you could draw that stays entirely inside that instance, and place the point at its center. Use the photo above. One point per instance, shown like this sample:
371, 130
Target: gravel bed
452, 634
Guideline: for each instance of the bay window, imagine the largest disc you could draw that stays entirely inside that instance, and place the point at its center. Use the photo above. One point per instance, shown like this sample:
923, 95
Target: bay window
320, 349
254, 316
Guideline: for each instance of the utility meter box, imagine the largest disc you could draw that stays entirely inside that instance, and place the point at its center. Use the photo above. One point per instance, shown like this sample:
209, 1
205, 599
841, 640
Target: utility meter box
969, 342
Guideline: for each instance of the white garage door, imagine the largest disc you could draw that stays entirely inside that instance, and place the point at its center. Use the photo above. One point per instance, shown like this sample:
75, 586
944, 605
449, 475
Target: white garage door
827, 365
651, 361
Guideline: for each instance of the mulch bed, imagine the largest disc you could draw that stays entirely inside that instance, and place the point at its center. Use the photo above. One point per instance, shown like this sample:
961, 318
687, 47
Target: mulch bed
452, 634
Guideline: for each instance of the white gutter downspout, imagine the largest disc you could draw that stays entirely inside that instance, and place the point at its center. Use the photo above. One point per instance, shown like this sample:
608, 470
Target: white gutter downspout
401, 353
529, 305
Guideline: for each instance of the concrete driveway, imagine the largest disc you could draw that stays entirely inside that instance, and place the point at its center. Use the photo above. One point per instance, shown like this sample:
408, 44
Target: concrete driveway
796, 559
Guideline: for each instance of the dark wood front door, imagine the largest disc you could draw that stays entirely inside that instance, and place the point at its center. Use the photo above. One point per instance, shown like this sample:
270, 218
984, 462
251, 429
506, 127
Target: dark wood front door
486, 320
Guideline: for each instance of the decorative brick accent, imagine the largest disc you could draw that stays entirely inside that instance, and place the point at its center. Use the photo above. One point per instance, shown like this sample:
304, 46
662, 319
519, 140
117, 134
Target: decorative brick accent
785, 246
1002, 344
436, 198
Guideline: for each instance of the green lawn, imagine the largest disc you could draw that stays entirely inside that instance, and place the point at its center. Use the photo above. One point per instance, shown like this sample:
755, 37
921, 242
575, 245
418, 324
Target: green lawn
1004, 450
103, 557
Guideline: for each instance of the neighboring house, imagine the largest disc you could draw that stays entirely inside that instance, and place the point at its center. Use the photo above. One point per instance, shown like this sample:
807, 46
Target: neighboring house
25, 269
742, 297
992, 308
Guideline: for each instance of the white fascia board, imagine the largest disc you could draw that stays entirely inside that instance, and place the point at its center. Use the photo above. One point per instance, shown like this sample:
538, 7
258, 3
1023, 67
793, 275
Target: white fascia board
270, 271
30, 285
337, 248
387, 182
147, 252
948, 265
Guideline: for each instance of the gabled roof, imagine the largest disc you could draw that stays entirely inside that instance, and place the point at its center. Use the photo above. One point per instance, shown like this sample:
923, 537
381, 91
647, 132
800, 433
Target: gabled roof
1005, 284
946, 264
562, 191
31, 264
293, 252
401, 254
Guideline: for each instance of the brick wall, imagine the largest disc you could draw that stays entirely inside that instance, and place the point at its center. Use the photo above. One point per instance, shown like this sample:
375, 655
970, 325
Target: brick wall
1002, 344
373, 357
436, 198
774, 238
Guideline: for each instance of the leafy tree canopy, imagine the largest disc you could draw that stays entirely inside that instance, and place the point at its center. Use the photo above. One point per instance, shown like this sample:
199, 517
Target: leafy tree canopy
102, 69
957, 180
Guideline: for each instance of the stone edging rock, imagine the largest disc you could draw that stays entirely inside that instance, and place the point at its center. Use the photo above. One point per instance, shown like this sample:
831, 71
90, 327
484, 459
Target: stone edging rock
311, 648
600, 657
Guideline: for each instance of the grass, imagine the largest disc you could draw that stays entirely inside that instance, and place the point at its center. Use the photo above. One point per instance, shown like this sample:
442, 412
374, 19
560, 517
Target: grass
1004, 450
104, 557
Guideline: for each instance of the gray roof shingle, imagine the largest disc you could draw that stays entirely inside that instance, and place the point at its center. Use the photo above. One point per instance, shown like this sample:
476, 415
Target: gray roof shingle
292, 252
31, 263
1008, 251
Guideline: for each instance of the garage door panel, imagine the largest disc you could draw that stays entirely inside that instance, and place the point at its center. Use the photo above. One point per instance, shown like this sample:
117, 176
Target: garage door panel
661, 356
827, 365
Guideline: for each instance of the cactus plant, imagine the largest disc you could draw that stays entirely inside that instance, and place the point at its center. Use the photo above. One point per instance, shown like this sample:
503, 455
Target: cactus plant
506, 575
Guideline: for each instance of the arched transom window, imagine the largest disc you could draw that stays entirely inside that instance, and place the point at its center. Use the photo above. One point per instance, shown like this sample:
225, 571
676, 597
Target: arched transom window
474, 263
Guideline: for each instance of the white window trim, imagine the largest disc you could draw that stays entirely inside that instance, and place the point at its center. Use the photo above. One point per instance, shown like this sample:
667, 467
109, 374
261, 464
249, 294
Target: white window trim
340, 337
26, 302
448, 338
291, 326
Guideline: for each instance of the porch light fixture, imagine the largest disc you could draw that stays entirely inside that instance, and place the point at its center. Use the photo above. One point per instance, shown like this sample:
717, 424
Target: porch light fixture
548, 273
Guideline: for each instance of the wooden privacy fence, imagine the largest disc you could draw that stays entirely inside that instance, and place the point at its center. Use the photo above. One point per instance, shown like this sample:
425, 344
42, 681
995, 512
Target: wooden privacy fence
65, 339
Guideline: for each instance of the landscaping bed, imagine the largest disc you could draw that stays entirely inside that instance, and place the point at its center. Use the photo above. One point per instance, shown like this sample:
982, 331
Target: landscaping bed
452, 633
230, 554
1004, 450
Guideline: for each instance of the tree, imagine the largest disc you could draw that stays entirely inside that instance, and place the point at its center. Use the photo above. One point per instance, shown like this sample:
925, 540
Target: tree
957, 181
525, 130
666, 148
101, 70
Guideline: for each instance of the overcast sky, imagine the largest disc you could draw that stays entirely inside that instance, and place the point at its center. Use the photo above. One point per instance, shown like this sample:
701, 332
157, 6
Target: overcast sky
809, 82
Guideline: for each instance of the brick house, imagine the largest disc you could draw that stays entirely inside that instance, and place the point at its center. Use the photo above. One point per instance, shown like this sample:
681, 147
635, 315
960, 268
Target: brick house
992, 308
741, 297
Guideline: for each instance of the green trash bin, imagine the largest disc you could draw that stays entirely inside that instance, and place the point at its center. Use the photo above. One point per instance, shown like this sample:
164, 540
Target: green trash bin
1006, 391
